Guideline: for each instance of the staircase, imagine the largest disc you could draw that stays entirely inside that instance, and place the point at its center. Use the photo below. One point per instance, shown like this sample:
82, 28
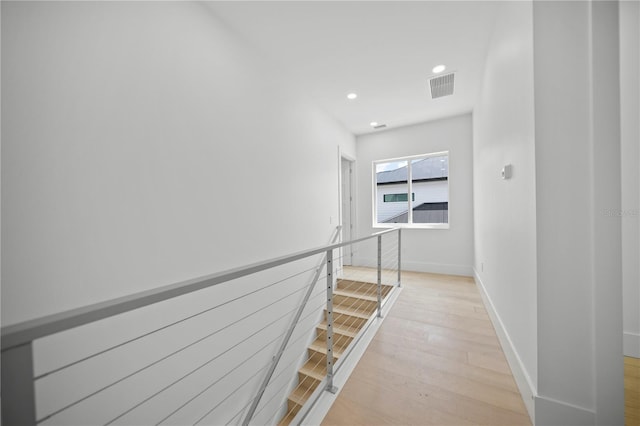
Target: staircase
353, 304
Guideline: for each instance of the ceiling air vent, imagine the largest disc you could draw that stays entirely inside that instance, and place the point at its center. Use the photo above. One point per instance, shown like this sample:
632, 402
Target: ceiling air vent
379, 126
441, 86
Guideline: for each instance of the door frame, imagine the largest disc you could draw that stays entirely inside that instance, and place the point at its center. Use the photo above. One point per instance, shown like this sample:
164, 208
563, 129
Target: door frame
346, 252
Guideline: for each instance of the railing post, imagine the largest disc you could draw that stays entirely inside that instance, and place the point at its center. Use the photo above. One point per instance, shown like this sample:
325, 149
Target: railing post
18, 394
379, 276
285, 341
330, 386
399, 256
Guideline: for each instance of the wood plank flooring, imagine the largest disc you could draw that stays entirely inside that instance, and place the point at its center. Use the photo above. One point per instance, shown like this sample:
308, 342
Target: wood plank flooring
435, 360
631, 391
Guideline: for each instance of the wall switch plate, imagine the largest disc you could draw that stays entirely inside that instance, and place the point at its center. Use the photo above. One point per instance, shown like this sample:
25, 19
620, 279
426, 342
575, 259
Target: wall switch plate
506, 172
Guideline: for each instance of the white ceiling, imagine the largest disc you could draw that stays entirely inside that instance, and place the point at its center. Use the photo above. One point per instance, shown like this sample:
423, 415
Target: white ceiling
382, 50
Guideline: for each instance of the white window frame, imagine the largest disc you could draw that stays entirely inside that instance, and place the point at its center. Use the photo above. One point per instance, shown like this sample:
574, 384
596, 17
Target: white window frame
409, 159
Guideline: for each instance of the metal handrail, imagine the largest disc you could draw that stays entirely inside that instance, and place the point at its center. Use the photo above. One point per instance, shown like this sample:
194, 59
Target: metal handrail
18, 404
285, 341
27, 331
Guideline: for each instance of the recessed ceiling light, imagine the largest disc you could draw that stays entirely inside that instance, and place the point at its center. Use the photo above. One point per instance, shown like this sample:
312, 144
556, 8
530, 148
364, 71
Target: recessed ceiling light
352, 96
373, 123
438, 69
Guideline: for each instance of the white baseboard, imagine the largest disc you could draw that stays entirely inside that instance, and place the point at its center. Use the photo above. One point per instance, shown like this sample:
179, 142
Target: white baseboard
434, 268
520, 375
550, 412
631, 344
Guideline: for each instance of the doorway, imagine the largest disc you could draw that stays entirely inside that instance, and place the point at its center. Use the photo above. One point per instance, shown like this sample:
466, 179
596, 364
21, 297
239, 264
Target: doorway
347, 212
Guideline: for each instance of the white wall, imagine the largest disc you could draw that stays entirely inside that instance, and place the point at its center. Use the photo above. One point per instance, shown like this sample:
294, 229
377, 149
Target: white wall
135, 152
577, 154
504, 210
550, 267
142, 143
447, 251
630, 153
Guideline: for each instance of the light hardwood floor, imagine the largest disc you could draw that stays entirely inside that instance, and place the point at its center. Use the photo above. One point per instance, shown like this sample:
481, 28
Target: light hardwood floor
435, 360
631, 391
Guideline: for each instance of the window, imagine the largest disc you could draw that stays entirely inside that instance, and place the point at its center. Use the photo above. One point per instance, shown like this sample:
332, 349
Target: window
425, 177
396, 198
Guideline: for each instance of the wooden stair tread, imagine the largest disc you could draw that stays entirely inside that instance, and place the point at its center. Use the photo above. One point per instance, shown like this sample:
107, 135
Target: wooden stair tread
301, 393
291, 414
315, 370
321, 347
339, 341
346, 310
356, 286
370, 294
346, 281
362, 287
357, 295
364, 307
338, 328
357, 302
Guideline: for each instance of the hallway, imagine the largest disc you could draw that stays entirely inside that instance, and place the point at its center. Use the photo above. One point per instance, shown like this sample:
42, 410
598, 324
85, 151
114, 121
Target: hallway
148, 145
435, 360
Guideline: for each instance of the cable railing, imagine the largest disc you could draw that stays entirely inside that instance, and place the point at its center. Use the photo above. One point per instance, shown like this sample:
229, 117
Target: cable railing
221, 349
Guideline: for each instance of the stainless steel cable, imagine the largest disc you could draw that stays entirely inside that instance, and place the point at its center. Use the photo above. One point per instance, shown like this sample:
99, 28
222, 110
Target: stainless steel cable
58, 369
236, 367
200, 366
161, 359
294, 360
228, 396
356, 306
341, 339
218, 380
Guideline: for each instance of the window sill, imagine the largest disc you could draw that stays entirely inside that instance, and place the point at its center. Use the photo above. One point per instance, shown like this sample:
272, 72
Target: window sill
411, 225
